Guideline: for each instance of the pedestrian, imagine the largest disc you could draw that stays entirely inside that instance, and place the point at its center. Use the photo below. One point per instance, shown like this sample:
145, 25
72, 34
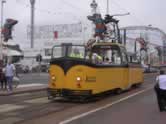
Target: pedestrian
9, 73
160, 89
3, 80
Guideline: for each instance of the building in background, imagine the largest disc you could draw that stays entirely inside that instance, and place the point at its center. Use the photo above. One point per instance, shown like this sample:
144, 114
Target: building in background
47, 36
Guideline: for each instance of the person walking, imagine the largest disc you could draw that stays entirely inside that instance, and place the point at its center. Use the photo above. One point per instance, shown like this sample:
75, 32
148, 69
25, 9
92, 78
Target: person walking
9, 73
160, 89
1, 77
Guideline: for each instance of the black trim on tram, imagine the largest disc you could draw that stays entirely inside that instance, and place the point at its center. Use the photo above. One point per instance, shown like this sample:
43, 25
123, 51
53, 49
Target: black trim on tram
67, 63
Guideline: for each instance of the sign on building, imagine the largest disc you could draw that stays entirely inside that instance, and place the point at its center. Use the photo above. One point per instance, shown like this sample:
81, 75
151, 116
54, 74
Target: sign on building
56, 31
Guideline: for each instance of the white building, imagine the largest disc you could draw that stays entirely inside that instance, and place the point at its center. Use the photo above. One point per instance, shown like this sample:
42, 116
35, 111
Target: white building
45, 40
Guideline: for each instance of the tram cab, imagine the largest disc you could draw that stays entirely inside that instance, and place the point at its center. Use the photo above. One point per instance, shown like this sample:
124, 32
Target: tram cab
101, 69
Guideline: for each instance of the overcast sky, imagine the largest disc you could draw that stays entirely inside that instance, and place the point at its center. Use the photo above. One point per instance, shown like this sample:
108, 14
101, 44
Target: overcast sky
143, 12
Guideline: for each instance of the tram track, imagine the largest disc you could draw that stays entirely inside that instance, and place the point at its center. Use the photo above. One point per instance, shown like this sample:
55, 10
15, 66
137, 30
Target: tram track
70, 109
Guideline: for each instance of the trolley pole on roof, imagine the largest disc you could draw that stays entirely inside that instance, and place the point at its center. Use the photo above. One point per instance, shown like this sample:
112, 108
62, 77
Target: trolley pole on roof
32, 22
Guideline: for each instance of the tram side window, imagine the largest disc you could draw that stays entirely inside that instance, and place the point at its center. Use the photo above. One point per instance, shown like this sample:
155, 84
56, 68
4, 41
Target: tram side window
124, 58
116, 58
133, 59
96, 58
107, 57
57, 52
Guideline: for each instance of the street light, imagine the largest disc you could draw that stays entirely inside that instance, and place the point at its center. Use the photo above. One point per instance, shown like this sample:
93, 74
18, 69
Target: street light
1, 42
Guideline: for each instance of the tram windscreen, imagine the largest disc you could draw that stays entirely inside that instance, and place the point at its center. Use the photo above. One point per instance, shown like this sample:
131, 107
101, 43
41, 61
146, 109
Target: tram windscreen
74, 51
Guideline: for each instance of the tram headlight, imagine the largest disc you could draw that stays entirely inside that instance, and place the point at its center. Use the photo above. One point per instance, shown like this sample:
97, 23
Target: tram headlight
78, 82
78, 79
53, 78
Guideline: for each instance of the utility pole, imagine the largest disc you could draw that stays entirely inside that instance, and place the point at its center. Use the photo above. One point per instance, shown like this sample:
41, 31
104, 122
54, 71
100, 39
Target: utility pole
107, 7
32, 22
1, 40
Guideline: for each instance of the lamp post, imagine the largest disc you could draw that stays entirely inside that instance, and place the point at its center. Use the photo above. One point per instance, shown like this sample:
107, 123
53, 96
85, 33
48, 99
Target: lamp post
1, 42
32, 22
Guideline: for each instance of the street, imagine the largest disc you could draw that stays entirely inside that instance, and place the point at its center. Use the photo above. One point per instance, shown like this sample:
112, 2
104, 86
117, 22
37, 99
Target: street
32, 108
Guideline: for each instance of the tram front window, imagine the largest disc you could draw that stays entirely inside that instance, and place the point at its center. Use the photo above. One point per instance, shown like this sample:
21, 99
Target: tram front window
76, 52
73, 51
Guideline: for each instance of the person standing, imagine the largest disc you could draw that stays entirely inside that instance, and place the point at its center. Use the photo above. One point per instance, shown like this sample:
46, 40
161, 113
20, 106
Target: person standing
3, 79
9, 73
160, 89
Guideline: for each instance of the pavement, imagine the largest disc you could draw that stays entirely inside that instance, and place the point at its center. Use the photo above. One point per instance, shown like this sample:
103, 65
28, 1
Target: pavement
24, 88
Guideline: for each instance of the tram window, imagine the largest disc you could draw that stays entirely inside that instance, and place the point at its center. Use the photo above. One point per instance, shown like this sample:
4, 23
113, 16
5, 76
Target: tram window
124, 58
76, 52
87, 55
134, 59
96, 58
115, 57
57, 52
107, 56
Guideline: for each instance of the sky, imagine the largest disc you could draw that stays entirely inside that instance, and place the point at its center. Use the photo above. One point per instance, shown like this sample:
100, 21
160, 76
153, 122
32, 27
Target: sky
52, 12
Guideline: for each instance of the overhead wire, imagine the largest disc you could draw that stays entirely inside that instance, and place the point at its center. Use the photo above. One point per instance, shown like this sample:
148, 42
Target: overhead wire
124, 9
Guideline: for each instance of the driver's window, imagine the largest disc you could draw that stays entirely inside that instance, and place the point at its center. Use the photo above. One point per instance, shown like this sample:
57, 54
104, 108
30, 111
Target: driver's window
76, 52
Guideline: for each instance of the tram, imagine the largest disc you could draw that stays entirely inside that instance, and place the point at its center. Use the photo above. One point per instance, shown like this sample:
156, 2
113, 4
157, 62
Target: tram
85, 76
83, 71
